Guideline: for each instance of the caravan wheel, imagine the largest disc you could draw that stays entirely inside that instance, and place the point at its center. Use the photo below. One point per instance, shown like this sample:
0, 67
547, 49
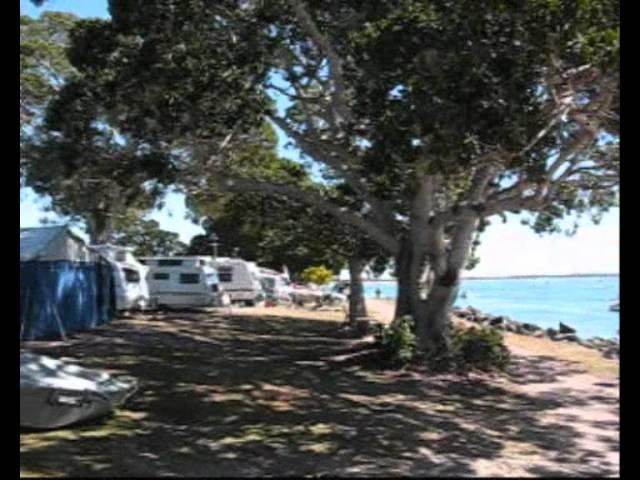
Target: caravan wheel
142, 304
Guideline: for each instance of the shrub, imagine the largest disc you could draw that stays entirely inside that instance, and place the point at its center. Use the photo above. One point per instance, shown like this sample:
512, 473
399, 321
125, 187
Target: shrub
480, 349
397, 341
318, 275
470, 348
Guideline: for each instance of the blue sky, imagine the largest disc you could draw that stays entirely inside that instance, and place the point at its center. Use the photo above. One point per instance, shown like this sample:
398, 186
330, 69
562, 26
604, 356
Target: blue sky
82, 8
506, 249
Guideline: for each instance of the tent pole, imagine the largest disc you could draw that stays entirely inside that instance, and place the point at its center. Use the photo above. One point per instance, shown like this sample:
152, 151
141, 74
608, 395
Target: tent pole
25, 318
62, 332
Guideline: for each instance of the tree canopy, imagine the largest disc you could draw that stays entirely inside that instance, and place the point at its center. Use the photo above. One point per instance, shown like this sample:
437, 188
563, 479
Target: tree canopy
148, 239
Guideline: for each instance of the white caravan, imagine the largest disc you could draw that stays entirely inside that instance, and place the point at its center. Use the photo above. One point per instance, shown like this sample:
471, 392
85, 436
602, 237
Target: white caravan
240, 279
132, 290
184, 281
276, 285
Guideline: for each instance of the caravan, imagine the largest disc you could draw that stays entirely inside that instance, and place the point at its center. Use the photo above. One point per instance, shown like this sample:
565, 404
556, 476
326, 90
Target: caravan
132, 290
184, 281
241, 280
276, 285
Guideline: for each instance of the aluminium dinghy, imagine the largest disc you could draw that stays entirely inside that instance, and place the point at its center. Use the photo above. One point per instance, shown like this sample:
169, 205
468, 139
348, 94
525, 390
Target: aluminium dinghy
56, 393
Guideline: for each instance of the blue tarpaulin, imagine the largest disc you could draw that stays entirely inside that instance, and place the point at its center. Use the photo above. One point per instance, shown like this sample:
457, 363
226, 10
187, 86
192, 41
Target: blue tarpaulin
58, 297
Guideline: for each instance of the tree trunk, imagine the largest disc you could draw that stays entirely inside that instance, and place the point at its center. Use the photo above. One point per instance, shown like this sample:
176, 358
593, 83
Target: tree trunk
99, 229
357, 306
442, 295
409, 268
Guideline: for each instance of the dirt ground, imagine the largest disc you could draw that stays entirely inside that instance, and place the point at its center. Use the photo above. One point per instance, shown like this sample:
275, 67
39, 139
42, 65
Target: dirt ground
283, 394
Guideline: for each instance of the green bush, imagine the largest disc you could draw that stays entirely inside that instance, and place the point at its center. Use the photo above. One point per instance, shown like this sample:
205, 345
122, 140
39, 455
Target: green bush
478, 349
469, 349
397, 341
319, 275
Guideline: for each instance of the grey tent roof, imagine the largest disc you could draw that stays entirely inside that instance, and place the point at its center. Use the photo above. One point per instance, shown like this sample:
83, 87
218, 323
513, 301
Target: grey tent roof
34, 241
39, 242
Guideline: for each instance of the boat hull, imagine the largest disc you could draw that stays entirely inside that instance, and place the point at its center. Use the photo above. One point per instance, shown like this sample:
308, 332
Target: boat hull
48, 408
55, 394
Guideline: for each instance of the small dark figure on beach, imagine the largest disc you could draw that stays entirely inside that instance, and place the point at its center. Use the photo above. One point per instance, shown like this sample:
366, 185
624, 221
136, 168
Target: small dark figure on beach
378, 293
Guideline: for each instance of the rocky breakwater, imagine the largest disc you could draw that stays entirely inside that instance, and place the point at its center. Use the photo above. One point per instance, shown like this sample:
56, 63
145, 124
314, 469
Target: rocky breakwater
609, 348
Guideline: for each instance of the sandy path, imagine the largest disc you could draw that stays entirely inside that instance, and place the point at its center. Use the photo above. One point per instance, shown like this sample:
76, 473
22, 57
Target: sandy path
264, 394
592, 405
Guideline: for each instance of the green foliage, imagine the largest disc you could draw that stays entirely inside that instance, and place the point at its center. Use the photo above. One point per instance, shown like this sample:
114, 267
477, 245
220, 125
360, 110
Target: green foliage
274, 231
44, 66
470, 348
175, 68
320, 275
397, 341
149, 239
478, 349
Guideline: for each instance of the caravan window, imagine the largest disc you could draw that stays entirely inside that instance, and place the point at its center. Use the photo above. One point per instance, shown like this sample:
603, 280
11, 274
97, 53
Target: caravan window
268, 284
161, 276
169, 262
121, 256
225, 274
131, 276
189, 278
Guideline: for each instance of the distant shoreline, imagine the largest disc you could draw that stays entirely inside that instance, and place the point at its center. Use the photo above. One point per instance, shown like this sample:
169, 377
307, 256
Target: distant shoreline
518, 277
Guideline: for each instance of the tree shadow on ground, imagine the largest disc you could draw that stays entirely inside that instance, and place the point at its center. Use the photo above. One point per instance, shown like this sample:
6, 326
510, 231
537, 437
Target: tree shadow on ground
246, 396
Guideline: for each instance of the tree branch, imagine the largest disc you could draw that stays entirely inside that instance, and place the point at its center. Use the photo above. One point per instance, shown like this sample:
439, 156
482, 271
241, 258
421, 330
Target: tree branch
314, 199
333, 160
323, 43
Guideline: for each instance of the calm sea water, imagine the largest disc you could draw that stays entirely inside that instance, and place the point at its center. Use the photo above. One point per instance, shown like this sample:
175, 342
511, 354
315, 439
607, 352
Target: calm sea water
581, 302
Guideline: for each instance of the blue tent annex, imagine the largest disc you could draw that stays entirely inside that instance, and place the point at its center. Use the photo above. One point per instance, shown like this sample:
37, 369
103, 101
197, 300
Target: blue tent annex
64, 287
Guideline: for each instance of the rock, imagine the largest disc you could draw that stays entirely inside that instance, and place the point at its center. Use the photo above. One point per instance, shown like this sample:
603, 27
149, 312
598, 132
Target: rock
566, 328
597, 342
530, 327
517, 328
497, 321
460, 312
520, 329
551, 332
538, 333
510, 327
474, 311
566, 337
